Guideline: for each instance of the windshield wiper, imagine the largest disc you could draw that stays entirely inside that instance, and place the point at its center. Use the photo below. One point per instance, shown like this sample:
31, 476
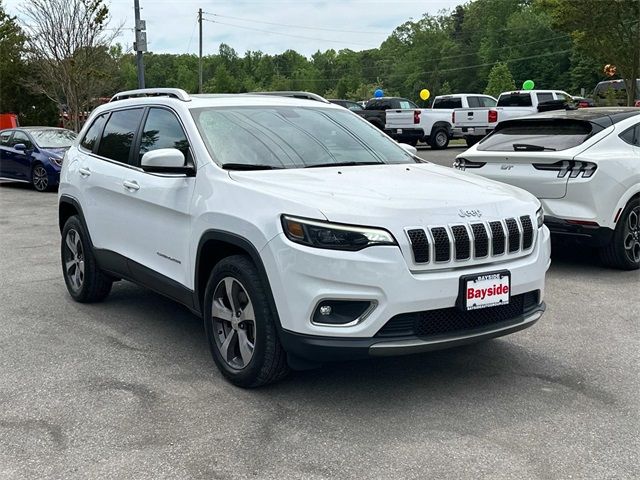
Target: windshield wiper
526, 147
248, 166
343, 164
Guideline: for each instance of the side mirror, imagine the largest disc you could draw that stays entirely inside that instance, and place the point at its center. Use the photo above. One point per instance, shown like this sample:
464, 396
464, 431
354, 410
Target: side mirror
409, 148
20, 146
166, 160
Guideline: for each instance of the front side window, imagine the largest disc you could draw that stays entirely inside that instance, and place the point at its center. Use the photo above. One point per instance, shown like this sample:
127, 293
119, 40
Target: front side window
119, 133
20, 137
91, 137
294, 137
163, 130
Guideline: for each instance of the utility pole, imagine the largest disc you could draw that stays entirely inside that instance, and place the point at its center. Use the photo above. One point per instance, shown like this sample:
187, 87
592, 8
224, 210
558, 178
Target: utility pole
140, 45
200, 53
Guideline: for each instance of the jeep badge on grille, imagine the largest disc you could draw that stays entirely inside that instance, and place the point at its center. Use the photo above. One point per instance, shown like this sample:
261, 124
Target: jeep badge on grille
469, 213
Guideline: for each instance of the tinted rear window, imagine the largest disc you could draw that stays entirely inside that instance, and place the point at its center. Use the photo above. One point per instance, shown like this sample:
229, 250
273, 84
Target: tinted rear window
515, 100
447, 102
538, 135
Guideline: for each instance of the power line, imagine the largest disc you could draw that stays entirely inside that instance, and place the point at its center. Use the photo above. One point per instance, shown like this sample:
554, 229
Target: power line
296, 26
288, 34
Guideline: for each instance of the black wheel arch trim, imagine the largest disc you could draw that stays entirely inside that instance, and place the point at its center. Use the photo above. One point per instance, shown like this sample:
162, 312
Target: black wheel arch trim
69, 200
441, 125
247, 246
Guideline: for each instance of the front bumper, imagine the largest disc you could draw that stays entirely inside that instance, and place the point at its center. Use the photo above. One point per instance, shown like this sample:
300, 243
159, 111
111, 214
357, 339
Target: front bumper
325, 349
301, 277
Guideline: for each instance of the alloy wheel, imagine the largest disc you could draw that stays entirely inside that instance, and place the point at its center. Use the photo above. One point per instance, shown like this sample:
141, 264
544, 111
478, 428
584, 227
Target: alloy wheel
441, 139
234, 324
631, 235
74, 260
40, 178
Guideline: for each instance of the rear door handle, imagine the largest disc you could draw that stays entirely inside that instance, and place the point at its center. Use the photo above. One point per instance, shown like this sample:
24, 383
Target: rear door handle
131, 185
85, 172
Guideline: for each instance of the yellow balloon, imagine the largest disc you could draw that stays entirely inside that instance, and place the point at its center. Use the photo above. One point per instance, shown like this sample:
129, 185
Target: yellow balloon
425, 94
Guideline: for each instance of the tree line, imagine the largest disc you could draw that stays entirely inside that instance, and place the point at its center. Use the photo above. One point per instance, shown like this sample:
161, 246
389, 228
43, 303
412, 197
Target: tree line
480, 46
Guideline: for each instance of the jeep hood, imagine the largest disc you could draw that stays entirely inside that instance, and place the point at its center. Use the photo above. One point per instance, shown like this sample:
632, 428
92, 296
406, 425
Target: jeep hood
392, 196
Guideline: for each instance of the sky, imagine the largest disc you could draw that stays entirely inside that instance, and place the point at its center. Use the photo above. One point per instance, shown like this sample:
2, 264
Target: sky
271, 26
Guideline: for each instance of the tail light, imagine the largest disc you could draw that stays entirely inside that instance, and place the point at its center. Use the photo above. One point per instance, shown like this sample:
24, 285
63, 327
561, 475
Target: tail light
463, 164
416, 116
637, 104
572, 167
583, 104
493, 116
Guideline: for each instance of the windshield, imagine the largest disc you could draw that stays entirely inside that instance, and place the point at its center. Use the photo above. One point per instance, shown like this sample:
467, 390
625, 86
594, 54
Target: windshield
53, 138
538, 135
293, 137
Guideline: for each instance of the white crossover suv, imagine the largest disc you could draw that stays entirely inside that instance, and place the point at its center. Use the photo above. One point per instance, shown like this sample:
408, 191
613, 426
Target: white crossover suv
583, 165
297, 230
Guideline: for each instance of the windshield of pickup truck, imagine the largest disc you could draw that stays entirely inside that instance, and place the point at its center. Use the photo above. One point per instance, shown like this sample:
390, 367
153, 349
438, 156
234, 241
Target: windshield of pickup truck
274, 137
537, 136
515, 100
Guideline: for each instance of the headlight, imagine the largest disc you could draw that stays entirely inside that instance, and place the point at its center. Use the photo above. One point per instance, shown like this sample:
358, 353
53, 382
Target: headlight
56, 160
334, 236
540, 217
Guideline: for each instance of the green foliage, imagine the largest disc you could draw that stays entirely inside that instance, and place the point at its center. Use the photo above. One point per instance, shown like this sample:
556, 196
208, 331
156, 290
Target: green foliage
500, 80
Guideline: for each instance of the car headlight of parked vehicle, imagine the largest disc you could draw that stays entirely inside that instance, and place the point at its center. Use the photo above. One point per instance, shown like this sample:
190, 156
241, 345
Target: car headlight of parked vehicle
56, 160
540, 217
334, 236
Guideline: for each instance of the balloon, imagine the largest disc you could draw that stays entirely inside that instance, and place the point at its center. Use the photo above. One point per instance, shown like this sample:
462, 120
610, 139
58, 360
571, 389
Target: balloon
425, 94
528, 85
378, 93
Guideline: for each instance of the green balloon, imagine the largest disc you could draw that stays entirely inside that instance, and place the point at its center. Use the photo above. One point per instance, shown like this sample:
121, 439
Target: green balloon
528, 85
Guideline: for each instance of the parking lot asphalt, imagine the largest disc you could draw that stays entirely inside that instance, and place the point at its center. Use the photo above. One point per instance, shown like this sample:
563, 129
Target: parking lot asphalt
127, 388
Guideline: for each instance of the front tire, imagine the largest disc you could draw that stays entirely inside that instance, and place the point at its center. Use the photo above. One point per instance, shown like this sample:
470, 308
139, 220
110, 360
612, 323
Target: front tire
439, 139
623, 251
240, 325
85, 281
39, 178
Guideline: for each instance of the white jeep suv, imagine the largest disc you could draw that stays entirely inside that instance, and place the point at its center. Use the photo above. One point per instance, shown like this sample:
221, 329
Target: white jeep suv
583, 165
297, 230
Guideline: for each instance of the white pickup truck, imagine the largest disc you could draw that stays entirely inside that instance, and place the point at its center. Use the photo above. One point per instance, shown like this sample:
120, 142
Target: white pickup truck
473, 124
432, 125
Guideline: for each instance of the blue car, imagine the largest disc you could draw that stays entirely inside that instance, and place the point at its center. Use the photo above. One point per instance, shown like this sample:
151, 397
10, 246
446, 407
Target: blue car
34, 155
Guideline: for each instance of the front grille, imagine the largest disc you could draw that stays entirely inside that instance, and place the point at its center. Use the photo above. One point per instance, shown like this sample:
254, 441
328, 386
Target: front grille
479, 240
419, 244
431, 323
527, 232
514, 234
497, 237
461, 242
441, 244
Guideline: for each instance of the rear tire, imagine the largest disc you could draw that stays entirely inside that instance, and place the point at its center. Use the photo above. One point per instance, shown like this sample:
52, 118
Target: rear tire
241, 326
85, 281
439, 139
623, 252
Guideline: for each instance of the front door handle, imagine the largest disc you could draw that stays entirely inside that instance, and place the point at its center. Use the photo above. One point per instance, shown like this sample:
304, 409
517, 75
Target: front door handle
131, 185
85, 172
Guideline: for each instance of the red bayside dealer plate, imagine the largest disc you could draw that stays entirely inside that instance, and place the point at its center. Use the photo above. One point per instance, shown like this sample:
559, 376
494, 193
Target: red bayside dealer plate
485, 290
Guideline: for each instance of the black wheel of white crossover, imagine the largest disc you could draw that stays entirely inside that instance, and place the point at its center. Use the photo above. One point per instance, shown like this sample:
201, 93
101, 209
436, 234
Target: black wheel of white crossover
85, 281
240, 325
623, 251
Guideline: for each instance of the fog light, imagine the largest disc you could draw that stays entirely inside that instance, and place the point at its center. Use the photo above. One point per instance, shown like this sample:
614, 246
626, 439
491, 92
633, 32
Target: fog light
342, 312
